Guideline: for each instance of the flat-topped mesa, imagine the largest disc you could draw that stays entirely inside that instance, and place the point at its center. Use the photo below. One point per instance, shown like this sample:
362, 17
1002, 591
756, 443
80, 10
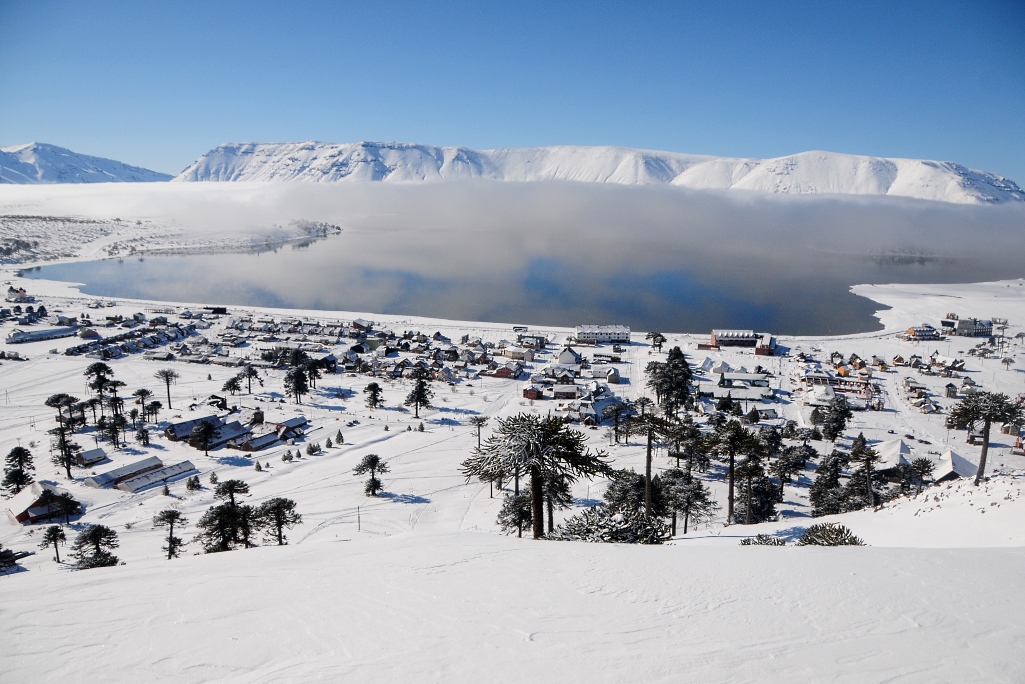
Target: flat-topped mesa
804, 173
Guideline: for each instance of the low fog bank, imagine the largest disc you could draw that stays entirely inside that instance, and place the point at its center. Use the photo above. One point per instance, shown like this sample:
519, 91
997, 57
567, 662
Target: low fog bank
559, 253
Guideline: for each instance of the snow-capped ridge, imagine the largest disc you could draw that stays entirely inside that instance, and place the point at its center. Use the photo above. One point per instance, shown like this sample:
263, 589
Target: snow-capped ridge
815, 172
36, 163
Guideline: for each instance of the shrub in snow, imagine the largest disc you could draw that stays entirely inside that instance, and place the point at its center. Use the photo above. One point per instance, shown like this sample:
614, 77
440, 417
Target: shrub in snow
192, 484
763, 540
601, 524
287, 456
421, 427
259, 468
829, 534
213, 478
338, 437
166, 491
327, 443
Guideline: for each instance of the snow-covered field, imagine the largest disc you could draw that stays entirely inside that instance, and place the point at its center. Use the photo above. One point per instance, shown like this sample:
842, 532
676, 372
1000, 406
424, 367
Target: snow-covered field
419, 583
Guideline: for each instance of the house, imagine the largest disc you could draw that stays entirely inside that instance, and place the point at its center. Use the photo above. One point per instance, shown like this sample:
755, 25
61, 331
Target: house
362, 324
533, 392
18, 294
951, 466
179, 431
532, 341
568, 357
126, 472
18, 336
892, 453
565, 392
973, 327
951, 390
153, 477
603, 333
612, 376
88, 458
32, 504
766, 345
508, 370
520, 354
921, 332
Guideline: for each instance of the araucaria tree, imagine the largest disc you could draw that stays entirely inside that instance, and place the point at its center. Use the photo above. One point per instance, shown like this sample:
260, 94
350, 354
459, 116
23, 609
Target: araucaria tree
201, 436
232, 385
296, 384
688, 496
99, 376
373, 392
92, 547
169, 519
420, 395
18, 469
277, 515
372, 464
169, 377
53, 536
670, 381
540, 447
838, 413
985, 408
729, 440
248, 373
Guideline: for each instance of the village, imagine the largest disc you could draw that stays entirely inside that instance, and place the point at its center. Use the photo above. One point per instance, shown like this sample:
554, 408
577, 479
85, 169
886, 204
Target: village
227, 368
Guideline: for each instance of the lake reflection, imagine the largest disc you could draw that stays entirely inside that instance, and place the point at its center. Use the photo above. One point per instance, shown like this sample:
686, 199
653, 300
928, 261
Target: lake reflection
648, 258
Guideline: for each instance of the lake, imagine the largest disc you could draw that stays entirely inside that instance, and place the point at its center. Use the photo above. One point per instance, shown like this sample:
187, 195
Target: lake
651, 258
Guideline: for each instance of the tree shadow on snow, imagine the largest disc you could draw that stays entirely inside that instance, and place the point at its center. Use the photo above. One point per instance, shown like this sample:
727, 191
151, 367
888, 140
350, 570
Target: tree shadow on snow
405, 498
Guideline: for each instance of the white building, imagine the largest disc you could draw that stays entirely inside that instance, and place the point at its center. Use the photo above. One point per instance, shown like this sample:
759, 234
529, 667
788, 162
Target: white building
603, 333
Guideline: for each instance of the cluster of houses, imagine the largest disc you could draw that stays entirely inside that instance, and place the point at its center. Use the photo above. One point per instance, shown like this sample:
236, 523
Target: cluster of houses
248, 430
952, 324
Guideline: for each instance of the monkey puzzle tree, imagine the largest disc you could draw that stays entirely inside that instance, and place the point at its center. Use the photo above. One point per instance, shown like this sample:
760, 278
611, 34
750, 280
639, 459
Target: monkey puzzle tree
169, 377
540, 447
170, 518
421, 393
372, 464
986, 408
53, 536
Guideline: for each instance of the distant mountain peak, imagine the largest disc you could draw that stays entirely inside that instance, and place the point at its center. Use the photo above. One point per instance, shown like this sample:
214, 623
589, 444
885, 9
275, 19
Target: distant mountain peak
34, 163
814, 172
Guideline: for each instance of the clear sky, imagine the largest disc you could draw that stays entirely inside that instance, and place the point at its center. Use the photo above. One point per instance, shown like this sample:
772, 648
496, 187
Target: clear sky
157, 84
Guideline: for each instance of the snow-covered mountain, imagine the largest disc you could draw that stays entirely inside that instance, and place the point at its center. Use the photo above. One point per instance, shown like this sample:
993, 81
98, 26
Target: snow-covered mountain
41, 163
804, 173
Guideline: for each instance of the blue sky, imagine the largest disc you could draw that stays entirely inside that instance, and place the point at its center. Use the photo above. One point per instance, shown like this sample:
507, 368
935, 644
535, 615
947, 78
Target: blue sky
158, 84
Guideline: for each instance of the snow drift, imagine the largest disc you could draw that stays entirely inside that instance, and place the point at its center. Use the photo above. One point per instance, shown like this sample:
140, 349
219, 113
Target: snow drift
804, 173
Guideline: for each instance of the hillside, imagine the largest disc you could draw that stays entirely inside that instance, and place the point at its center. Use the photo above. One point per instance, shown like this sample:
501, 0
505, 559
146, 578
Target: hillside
36, 163
804, 173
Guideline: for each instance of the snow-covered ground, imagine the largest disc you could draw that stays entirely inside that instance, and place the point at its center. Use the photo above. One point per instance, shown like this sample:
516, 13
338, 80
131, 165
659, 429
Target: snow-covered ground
419, 583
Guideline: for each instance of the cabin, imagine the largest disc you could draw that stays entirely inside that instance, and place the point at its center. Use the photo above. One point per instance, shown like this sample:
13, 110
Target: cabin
158, 476
533, 392
565, 392
34, 503
176, 432
91, 457
126, 472
569, 357
952, 466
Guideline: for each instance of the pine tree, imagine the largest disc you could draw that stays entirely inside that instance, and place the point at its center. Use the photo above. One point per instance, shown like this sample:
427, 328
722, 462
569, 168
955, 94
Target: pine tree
229, 489
92, 547
338, 438
232, 385
296, 384
18, 469
277, 515
922, 469
373, 392
192, 484
420, 395
514, 516
53, 536
171, 518
865, 457
838, 413
826, 494
213, 478
688, 496
328, 443
259, 468
626, 491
